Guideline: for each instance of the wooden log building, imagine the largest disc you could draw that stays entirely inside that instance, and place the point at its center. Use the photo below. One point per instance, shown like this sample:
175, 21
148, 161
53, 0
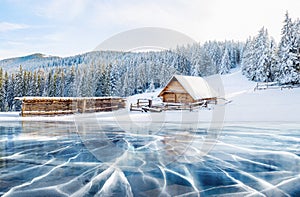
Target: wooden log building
49, 106
187, 90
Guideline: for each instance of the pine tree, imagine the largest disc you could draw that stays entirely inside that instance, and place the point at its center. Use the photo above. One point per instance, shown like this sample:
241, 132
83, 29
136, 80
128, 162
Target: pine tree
2, 93
296, 49
207, 66
288, 53
19, 88
48, 90
115, 81
151, 87
262, 56
11, 93
248, 58
40, 83
99, 80
59, 82
34, 85
30, 84
6, 90
225, 63
274, 70
25, 84
195, 70
106, 81
70, 90
54, 85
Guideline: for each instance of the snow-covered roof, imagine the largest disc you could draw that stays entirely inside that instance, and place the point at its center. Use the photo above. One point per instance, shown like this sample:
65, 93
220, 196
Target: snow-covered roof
197, 87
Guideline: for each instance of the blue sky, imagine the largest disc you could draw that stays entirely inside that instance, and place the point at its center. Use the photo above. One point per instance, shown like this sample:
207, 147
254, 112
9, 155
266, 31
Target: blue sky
70, 27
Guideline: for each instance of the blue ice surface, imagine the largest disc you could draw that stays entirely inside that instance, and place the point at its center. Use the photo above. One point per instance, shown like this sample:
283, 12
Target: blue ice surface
62, 159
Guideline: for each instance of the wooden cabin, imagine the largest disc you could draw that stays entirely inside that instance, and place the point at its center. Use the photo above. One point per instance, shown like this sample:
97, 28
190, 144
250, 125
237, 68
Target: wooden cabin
49, 106
187, 89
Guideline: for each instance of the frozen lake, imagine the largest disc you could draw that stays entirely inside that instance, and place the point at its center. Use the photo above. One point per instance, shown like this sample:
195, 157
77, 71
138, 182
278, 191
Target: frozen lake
52, 158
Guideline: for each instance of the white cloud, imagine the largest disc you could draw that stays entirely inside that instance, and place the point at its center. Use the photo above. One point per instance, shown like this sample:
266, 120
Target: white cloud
5, 26
61, 10
202, 20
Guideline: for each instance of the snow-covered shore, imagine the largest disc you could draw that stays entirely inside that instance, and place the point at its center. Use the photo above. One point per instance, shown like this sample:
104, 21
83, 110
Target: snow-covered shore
271, 105
261, 105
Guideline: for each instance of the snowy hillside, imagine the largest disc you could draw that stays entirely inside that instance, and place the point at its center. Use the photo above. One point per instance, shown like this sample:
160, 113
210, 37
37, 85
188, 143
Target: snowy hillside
259, 105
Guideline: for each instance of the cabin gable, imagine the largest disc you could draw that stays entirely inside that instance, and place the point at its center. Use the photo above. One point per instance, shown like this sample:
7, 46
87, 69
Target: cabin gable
174, 92
187, 89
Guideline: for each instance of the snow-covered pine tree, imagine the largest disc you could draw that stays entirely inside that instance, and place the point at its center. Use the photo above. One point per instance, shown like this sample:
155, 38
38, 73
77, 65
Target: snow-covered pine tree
2, 93
11, 93
40, 83
26, 81
61, 83
216, 53
274, 70
87, 88
29, 84
83, 84
262, 57
287, 53
207, 66
225, 63
125, 91
19, 88
70, 90
151, 87
115, 79
106, 80
33, 85
247, 58
6, 90
98, 79
48, 91
195, 70
297, 45
55, 85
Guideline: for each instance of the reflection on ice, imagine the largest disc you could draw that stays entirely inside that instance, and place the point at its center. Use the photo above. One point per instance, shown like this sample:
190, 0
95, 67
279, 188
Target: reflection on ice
53, 159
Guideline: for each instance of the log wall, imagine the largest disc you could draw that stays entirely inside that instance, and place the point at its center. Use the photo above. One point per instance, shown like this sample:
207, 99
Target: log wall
50, 106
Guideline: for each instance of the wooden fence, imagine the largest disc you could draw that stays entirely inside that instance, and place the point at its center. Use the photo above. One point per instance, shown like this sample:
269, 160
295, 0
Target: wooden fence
274, 85
50, 106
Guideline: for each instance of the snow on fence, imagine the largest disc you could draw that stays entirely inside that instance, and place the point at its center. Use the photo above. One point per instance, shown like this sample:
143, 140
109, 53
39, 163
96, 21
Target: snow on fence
49, 106
145, 105
267, 85
274, 85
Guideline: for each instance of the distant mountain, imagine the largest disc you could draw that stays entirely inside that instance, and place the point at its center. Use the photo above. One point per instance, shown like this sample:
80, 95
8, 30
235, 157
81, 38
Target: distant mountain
41, 61
29, 62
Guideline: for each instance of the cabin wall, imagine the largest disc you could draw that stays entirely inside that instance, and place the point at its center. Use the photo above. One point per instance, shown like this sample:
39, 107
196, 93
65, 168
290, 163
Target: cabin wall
184, 98
177, 98
169, 98
57, 106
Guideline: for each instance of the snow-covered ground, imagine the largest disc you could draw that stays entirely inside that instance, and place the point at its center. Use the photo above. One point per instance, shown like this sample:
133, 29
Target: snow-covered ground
246, 105
260, 105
